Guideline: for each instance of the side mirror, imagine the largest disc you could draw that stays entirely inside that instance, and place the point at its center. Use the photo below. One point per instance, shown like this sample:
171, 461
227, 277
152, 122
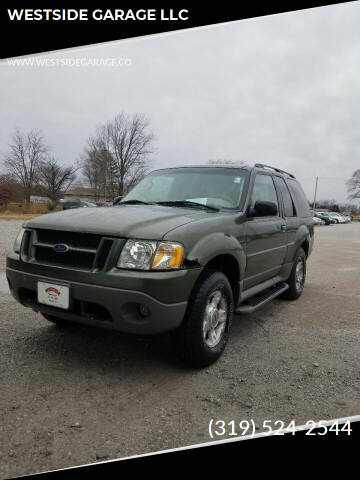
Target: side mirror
264, 209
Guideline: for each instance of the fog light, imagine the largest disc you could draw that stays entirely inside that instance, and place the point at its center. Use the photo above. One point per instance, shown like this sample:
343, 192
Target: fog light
144, 310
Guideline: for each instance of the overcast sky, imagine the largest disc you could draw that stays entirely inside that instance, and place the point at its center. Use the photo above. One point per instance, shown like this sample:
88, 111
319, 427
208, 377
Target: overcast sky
282, 90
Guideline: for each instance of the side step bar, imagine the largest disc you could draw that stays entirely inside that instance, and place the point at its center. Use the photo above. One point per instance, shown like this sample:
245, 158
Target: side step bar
258, 301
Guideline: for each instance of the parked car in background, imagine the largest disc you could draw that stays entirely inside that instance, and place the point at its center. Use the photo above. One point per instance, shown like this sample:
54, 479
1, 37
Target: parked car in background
77, 204
347, 217
117, 200
338, 217
318, 220
321, 216
330, 217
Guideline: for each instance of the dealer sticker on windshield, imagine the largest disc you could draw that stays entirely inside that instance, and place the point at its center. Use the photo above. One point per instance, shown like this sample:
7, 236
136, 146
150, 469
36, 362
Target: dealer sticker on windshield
53, 295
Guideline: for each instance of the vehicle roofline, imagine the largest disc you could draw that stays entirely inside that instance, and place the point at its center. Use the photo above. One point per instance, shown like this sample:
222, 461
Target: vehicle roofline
262, 166
236, 167
257, 167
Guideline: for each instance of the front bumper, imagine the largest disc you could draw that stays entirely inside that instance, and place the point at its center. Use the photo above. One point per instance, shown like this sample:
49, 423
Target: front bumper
100, 305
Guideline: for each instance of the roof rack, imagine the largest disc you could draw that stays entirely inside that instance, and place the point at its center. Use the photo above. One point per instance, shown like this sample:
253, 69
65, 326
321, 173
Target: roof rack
261, 165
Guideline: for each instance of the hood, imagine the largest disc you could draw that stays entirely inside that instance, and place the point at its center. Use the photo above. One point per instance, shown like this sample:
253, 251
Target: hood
150, 222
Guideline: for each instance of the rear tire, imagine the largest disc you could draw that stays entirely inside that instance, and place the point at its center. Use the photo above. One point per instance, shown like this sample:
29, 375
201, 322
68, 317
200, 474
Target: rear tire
202, 337
297, 277
58, 321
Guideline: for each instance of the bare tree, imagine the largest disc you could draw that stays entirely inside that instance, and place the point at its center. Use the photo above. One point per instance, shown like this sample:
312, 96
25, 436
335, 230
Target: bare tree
98, 169
349, 208
10, 190
92, 172
331, 205
55, 179
353, 185
26, 151
122, 148
134, 177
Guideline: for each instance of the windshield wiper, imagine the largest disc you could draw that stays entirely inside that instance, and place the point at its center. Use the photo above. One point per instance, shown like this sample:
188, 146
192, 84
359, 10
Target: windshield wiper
187, 203
135, 202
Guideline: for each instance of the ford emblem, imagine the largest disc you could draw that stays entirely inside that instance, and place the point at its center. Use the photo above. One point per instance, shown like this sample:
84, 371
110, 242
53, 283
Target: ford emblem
61, 248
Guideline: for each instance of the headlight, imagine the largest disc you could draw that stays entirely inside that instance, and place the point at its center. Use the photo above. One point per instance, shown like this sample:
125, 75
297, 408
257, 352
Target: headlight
148, 255
168, 256
17, 244
137, 254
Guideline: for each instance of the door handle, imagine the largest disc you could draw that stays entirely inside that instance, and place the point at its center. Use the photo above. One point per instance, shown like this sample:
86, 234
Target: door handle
283, 228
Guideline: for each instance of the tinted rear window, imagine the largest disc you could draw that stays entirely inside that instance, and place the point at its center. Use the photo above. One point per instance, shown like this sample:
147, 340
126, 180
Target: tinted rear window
300, 200
289, 210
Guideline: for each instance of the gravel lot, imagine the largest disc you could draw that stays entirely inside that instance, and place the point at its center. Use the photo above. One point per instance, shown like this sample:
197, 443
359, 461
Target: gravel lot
8, 231
80, 395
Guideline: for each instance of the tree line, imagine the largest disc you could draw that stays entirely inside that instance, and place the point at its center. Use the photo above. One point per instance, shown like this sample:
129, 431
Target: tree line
334, 206
31, 168
115, 158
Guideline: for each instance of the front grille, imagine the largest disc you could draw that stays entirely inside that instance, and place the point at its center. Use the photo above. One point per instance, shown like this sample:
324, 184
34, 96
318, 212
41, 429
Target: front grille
73, 239
72, 258
85, 250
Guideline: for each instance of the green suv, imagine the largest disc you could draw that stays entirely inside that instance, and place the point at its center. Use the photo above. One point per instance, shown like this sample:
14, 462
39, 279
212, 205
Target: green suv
182, 252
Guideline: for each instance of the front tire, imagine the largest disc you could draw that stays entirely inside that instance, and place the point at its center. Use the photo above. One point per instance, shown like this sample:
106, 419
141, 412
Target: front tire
203, 335
297, 277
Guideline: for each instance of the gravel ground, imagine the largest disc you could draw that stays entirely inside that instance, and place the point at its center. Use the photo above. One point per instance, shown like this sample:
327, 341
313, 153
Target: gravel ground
8, 232
81, 395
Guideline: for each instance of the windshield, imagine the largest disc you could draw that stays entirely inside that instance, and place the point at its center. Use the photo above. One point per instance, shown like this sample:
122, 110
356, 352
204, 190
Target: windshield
213, 187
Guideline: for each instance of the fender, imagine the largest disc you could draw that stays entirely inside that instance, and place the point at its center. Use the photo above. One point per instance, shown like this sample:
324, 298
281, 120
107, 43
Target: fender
303, 233
216, 244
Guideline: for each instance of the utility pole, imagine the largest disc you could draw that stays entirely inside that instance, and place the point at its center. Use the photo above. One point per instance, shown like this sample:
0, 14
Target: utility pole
316, 186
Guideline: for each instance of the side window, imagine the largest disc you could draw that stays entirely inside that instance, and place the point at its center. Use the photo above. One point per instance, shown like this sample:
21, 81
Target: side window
264, 190
298, 195
287, 200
